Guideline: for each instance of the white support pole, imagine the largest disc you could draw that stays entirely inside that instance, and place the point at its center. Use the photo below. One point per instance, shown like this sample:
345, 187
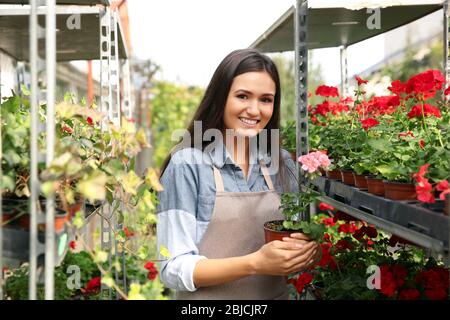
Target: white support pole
344, 71
106, 103
50, 51
127, 107
36, 68
115, 68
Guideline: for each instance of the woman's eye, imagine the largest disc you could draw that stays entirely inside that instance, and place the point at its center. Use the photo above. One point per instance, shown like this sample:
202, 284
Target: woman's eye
266, 100
242, 96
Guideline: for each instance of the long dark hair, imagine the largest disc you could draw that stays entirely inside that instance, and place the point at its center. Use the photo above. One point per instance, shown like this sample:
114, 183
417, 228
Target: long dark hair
211, 109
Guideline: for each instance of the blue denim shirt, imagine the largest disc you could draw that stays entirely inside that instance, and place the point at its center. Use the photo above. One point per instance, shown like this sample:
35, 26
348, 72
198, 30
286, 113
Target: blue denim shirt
187, 202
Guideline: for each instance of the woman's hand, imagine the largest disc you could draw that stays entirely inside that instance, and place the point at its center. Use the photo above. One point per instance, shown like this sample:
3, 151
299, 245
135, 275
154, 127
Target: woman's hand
285, 257
302, 238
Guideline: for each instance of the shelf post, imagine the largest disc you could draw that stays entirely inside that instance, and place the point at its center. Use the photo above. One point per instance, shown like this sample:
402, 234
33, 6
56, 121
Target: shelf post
301, 85
344, 71
50, 53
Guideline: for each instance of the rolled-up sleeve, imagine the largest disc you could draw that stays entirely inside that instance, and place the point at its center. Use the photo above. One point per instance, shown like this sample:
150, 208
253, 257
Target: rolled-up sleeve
177, 225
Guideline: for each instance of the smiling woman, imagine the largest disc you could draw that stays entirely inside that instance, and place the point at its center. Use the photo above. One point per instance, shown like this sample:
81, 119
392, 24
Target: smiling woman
218, 195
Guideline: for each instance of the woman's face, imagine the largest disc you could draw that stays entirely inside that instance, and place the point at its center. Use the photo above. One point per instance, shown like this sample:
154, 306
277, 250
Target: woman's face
250, 102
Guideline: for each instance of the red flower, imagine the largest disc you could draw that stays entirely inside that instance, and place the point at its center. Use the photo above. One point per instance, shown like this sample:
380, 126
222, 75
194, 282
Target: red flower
422, 144
447, 91
388, 286
327, 259
424, 191
127, 232
90, 121
72, 245
327, 237
339, 215
302, 280
93, 285
347, 100
360, 81
67, 129
425, 83
325, 206
428, 110
344, 245
327, 91
347, 228
443, 186
422, 171
405, 134
152, 271
409, 294
328, 221
397, 87
435, 282
369, 123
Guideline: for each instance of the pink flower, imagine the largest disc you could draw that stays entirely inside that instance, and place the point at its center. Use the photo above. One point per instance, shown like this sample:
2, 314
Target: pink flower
312, 161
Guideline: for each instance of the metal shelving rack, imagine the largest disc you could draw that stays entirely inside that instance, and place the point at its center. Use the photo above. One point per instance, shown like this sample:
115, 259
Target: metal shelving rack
305, 27
99, 37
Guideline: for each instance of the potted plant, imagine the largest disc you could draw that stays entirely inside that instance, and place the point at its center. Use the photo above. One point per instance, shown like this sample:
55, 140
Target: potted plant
349, 248
294, 205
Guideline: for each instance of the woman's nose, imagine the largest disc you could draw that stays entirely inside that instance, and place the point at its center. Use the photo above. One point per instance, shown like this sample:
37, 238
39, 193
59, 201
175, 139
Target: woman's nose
252, 107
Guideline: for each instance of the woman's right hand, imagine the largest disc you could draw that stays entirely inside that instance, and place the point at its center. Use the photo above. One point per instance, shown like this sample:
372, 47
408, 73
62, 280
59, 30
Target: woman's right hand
284, 257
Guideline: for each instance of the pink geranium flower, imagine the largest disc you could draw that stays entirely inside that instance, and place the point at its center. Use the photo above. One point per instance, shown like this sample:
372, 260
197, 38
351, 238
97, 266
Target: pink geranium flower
313, 160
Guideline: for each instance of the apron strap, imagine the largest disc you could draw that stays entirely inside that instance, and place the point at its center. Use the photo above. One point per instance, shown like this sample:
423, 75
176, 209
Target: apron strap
218, 180
265, 172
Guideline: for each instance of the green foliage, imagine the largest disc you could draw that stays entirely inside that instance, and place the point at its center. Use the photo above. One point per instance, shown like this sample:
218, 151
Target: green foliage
172, 107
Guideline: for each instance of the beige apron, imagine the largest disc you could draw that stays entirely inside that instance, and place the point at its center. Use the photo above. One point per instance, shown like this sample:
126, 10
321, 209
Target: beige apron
236, 229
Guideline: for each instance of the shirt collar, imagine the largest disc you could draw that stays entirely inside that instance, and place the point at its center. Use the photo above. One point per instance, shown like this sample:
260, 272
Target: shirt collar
220, 156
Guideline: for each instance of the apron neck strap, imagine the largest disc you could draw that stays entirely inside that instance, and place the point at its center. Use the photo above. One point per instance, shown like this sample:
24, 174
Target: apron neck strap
219, 182
266, 175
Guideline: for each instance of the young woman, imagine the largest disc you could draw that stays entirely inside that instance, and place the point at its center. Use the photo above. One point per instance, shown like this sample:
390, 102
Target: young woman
216, 199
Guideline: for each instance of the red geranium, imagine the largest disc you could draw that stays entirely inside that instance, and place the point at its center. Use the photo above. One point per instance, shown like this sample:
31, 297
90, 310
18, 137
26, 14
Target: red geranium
152, 271
72, 245
435, 281
325, 206
343, 245
409, 294
360, 81
301, 281
428, 110
405, 134
93, 286
397, 87
327, 91
128, 233
369, 123
347, 228
447, 91
328, 221
90, 121
425, 83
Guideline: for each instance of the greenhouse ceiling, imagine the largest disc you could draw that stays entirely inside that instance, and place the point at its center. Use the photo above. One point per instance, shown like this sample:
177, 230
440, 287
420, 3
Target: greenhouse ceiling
337, 26
72, 44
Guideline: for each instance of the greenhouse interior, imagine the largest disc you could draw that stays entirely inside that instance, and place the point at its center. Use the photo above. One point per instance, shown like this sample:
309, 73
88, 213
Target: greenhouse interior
327, 177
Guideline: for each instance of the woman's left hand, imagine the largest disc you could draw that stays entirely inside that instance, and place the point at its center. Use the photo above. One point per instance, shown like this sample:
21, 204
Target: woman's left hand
314, 255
